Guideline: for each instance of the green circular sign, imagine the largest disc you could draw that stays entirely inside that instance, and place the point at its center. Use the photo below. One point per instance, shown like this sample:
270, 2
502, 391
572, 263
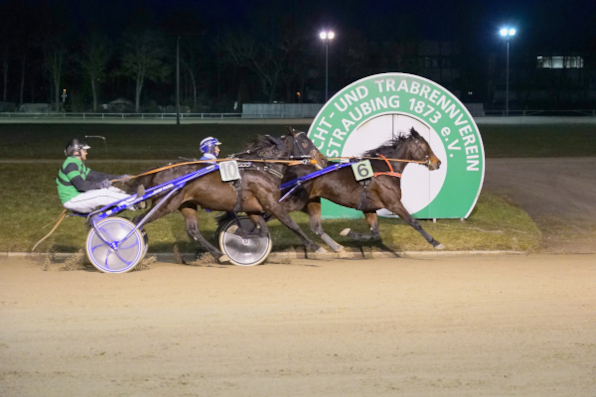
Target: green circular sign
372, 110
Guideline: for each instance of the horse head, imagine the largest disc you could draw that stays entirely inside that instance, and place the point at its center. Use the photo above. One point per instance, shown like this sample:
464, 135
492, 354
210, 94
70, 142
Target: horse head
410, 147
419, 150
301, 147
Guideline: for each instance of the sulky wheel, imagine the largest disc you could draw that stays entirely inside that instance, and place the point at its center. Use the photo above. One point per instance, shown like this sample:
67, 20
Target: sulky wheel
129, 253
146, 242
244, 252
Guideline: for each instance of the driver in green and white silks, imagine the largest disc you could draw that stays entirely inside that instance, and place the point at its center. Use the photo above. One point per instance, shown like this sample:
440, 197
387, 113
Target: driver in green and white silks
80, 188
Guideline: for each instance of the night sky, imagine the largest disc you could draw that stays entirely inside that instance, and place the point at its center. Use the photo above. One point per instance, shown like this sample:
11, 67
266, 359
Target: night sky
371, 37
556, 24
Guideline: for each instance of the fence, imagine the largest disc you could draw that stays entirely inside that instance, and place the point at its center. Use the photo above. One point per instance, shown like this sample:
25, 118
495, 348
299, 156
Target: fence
256, 116
281, 110
128, 116
523, 113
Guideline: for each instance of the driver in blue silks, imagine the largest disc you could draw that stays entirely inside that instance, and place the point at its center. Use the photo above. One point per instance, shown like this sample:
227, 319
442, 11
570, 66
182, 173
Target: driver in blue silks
210, 148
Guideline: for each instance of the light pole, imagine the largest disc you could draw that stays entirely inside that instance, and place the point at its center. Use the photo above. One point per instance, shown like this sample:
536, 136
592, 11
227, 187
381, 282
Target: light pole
507, 33
178, 81
326, 36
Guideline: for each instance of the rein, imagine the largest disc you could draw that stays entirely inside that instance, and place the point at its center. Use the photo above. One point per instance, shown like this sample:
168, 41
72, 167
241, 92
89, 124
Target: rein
289, 162
379, 158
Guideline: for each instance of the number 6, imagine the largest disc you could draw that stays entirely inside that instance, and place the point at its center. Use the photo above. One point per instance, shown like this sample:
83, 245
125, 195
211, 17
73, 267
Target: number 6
362, 170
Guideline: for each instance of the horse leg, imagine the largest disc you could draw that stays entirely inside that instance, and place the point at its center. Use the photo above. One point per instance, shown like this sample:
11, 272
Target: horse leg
282, 215
373, 222
261, 225
261, 228
313, 209
397, 208
165, 209
192, 228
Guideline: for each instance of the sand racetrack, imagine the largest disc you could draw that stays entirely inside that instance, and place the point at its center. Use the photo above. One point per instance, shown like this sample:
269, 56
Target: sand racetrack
463, 326
518, 325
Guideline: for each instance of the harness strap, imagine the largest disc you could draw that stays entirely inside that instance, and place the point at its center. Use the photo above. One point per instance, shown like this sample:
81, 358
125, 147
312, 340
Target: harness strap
364, 195
390, 173
237, 184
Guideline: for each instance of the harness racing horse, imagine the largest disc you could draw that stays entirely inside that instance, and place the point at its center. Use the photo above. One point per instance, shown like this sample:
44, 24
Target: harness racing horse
256, 192
382, 191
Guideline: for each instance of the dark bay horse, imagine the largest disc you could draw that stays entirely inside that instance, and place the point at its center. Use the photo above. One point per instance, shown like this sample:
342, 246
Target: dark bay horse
383, 191
257, 191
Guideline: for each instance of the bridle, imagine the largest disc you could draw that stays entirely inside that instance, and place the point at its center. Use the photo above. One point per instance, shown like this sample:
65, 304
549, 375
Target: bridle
426, 156
297, 148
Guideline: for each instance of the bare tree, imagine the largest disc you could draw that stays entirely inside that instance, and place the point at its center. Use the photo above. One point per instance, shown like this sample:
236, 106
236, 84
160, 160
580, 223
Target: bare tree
296, 46
4, 54
55, 56
192, 78
264, 58
96, 54
4, 47
143, 58
23, 69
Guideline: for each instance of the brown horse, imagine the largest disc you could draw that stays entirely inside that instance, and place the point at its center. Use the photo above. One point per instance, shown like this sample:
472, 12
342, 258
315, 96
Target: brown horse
256, 192
383, 191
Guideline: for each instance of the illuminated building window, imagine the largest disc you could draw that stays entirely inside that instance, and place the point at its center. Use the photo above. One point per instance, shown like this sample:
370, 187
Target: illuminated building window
560, 62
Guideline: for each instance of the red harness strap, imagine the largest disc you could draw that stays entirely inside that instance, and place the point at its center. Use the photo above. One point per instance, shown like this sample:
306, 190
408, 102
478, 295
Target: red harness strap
390, 173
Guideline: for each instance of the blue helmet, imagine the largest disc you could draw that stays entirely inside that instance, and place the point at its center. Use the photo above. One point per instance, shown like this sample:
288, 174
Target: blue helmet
208, 144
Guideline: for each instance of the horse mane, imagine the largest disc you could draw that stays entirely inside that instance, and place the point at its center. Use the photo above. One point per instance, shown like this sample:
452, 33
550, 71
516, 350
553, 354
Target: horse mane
391, 146
263, 146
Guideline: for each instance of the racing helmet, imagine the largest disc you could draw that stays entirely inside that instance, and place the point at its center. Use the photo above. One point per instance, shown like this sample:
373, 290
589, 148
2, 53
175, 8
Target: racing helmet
75, 145
208, 144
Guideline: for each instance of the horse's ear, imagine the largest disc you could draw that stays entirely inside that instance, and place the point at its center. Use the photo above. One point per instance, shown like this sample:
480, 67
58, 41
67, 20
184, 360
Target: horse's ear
291, 130
414, 133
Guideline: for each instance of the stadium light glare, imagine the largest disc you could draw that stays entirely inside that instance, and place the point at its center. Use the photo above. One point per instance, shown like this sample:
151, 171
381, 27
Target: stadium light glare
327, 36
507, 33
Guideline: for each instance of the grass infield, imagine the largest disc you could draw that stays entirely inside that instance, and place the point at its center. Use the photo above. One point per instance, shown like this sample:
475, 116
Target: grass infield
28, 201
28, 198
160, 141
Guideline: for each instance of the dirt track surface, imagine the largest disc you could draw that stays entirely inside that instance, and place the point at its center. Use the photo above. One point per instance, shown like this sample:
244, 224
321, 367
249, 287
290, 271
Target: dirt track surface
464, 326
559, 193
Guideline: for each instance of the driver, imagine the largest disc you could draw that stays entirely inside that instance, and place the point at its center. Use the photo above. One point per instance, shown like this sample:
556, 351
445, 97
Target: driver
82, 189
210, 148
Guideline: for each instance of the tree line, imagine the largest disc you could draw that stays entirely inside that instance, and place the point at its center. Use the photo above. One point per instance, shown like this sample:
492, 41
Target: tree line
275, 58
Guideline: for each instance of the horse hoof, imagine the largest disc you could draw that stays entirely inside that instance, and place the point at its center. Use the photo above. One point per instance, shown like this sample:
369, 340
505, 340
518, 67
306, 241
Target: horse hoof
343, 254
439, 247
321, 250
224, 258
345, 232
